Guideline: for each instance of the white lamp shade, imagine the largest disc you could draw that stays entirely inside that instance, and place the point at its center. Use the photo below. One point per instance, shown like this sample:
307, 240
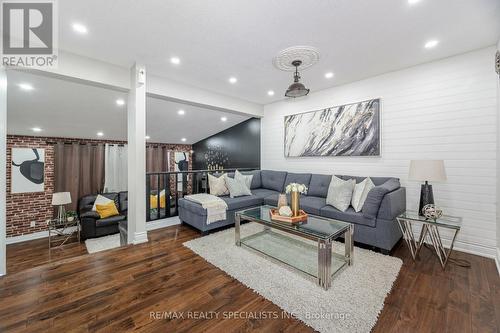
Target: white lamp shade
427, 170
61, 198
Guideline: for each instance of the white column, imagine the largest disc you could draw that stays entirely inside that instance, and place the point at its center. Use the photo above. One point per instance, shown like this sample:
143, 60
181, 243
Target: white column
136, 115
3, 162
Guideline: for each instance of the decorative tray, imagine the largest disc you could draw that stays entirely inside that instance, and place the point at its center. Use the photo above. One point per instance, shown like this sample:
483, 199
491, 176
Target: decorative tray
302, 217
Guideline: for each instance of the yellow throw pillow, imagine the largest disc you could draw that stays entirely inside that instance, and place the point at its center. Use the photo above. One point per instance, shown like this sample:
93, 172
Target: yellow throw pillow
153, 201
106, 210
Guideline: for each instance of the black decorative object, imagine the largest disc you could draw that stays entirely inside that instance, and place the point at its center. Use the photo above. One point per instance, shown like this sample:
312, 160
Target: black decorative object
426, 197
296, 89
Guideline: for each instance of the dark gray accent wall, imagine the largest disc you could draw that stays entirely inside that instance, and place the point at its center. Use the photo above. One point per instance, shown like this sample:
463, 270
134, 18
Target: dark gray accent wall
235, 147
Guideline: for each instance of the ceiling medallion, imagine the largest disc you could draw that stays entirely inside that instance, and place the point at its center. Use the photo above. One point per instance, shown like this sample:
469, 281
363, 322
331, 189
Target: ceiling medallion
308, 55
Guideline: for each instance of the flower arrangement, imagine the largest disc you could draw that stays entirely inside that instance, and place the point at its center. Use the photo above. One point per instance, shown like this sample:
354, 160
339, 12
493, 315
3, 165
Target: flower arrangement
295, 187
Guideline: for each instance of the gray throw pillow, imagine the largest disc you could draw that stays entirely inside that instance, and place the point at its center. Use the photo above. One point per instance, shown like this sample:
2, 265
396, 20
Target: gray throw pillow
246, 178
340, 193
237, 187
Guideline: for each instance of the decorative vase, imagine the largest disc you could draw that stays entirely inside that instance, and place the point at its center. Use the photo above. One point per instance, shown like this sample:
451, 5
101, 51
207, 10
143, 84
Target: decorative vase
70, 218
295, 202
282, 201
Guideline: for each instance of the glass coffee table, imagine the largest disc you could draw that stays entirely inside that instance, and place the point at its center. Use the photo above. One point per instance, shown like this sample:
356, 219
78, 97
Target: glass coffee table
287, 243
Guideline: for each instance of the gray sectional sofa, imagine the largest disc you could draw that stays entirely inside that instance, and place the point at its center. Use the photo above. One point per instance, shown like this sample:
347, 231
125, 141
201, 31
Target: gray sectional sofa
375, 225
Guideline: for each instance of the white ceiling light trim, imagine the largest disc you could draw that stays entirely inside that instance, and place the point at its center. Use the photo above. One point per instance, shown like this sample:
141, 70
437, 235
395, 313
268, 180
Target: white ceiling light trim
120, 102
80, 28
223, 118
25, 86
36, 129
181, 112
270, 93
431, 43
233, 80
175, 60
412, 2
308, 55
329, 75
183, 139
100, 134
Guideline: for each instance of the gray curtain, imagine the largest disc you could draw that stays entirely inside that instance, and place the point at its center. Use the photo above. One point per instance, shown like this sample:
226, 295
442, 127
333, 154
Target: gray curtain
79, 169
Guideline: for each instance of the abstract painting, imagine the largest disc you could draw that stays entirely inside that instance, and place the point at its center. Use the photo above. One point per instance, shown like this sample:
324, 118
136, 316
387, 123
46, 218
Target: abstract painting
346, 130
28, 169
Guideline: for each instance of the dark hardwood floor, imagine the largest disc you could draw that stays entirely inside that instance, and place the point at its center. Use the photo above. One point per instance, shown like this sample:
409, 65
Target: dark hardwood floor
117, 290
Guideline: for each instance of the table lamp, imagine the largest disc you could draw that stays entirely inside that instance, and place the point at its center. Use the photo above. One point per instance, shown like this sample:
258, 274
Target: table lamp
60, 199
426, 171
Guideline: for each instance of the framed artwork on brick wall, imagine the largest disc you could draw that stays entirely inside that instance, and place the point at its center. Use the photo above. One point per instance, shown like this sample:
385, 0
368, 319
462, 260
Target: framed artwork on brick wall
28, 170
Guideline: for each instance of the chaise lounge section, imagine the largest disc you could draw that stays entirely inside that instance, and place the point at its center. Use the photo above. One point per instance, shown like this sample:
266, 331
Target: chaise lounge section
375, 224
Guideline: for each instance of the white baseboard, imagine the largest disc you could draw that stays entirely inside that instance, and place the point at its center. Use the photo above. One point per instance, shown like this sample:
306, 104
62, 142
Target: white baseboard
140, 237
28, 237
497, 260
163, 223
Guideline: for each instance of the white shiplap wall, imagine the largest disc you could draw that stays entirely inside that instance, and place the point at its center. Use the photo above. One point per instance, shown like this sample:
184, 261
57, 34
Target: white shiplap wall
440, 110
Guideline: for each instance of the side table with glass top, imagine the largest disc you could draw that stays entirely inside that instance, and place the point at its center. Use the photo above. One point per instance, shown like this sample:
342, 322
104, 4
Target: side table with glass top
60, 232
429, 229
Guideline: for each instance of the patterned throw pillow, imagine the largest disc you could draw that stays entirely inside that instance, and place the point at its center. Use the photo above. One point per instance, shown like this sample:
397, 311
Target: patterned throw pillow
360, 193
340, 193
237, 187
100, 200
217, 185
246, 178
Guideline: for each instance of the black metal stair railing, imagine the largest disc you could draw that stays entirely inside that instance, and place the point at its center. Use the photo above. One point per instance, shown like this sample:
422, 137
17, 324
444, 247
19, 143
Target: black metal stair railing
164, 189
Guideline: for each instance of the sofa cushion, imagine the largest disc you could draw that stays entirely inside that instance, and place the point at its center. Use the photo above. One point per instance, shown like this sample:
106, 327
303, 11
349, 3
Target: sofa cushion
192, 206
242, 202
312, 205
376, 195
299, 178
348, 216
318, 186
246, 178
360, 193
273, 180
264, 193
123, 197
109, 221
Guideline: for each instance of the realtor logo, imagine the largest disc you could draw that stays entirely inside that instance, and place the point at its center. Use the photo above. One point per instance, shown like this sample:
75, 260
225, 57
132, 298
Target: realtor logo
29, 33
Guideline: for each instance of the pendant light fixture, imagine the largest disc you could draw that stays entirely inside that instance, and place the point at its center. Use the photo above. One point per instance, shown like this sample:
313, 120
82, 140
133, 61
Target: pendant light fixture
296, 89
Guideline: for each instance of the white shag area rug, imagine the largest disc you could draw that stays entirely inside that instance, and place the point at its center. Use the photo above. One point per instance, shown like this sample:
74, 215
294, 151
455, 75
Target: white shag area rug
102, 243
352, 304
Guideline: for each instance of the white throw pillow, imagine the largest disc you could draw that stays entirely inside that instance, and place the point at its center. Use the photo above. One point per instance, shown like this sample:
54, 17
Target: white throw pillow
100, 200
217, 185
247, 178
340, 193
237, 187
360, 193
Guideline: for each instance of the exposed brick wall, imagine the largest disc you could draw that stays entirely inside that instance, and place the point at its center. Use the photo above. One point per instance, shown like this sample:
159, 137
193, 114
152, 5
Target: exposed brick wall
22, 208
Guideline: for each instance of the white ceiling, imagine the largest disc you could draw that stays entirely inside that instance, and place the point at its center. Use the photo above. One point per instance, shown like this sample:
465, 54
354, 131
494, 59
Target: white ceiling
217, 39
74, 110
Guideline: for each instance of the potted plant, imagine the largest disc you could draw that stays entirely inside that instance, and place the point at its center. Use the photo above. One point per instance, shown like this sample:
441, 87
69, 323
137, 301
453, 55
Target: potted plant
71, 215
295, 191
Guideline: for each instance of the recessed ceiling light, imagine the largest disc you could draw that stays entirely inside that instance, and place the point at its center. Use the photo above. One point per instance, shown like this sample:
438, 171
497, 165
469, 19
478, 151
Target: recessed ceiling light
233, 80
329, 75
412, 2
80, 28
270, 93
432, 43
183, 139
120, 102
25, 86
181, 112
147, 137
175, 60
100, 133
223, 118
36, 129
